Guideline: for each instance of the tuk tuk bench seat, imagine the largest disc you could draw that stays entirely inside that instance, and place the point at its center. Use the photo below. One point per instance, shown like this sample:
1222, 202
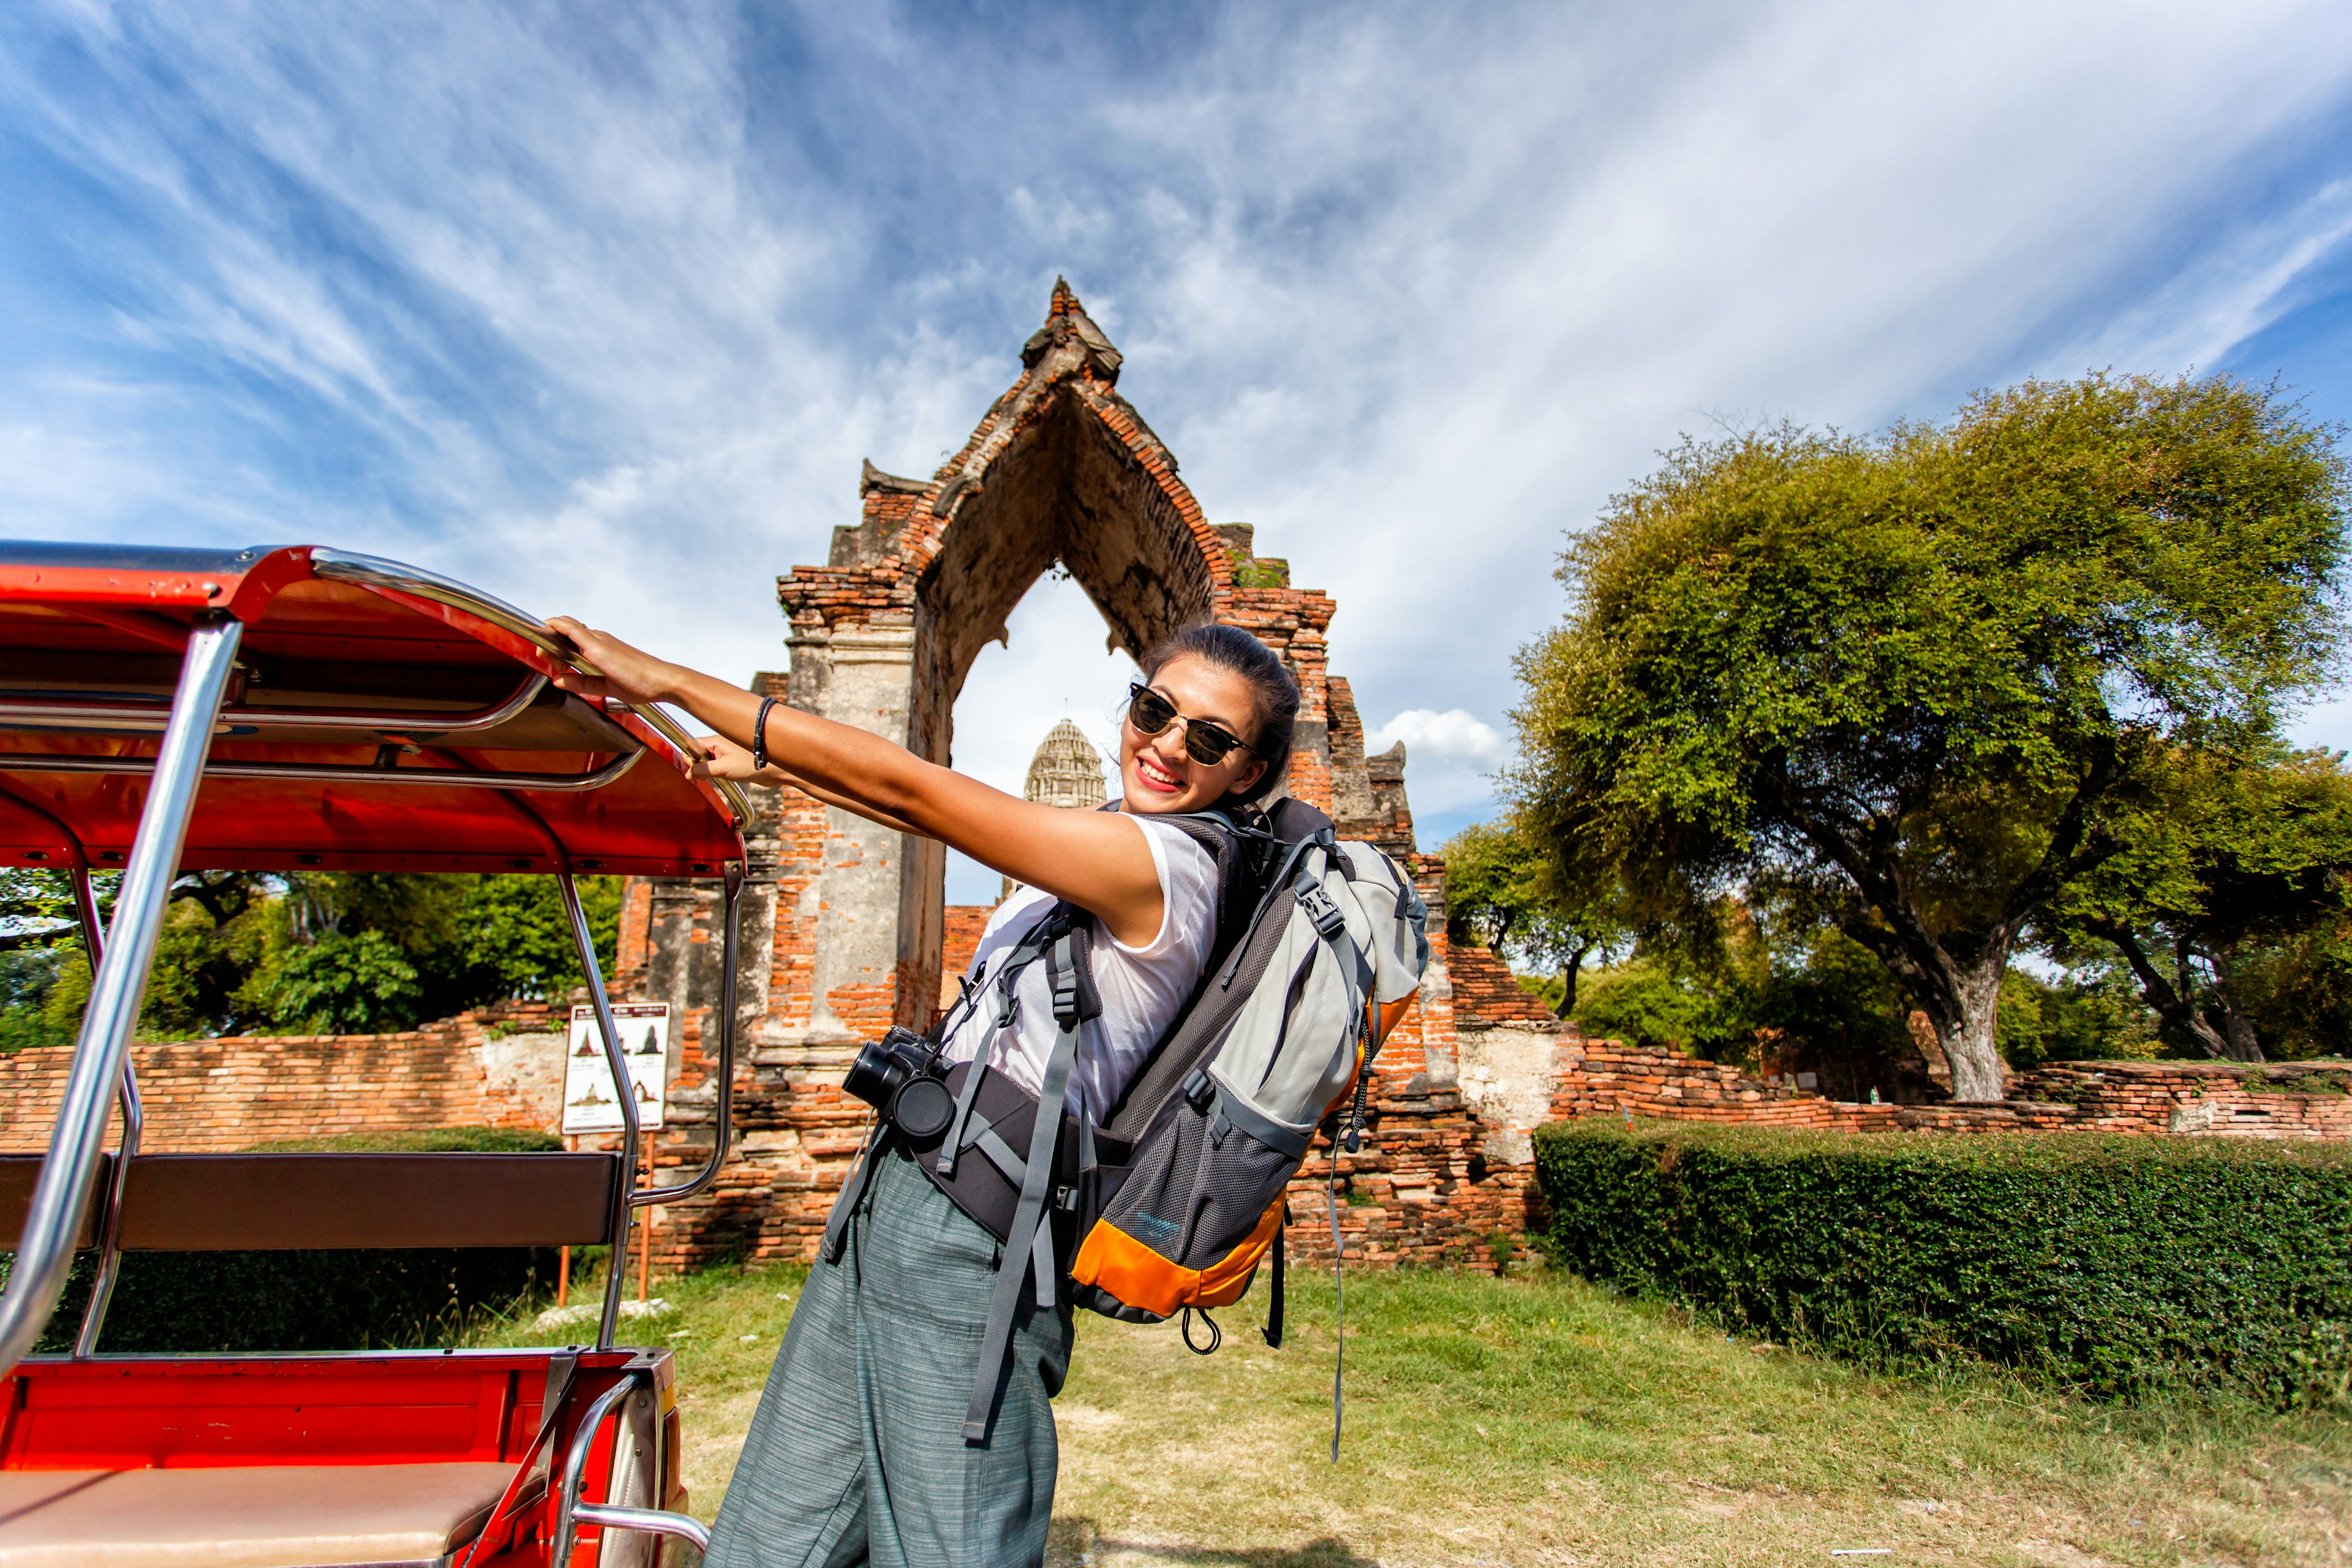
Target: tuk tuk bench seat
264, 1516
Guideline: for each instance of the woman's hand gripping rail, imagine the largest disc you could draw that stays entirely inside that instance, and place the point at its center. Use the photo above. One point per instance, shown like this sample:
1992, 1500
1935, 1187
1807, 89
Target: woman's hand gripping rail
1093, 859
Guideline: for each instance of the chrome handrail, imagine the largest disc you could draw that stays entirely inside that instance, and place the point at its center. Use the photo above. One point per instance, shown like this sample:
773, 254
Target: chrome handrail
576, 1461
93, 944
615, 1265
342, 773
109, 1225
142, 713
61, 1196
733, 874
397, 577
570, 1511
653, 1520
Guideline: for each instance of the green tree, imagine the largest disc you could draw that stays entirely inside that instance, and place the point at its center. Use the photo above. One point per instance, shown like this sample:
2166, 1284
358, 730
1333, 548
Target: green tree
358, 952
313, 952
38, 936
1925, 675
342, 984
2232, 858
518, 940
1503, 893
37, 908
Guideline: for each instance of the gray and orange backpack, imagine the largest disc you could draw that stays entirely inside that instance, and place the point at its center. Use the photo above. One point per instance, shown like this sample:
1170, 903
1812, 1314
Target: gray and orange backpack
1171, 1204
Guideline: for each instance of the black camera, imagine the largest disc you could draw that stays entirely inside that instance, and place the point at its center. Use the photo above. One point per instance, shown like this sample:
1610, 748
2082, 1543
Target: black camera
901, 1076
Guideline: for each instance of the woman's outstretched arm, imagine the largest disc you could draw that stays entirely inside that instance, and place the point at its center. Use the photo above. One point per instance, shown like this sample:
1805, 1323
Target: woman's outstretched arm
1097, 860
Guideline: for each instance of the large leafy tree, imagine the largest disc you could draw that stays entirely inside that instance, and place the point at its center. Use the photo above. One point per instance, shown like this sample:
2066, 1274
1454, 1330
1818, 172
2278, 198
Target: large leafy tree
1922, 677
2234, 859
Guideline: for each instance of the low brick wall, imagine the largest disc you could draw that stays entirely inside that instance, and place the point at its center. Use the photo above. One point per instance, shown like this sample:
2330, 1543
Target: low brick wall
2285, 1100
1443, 1176
500, 1068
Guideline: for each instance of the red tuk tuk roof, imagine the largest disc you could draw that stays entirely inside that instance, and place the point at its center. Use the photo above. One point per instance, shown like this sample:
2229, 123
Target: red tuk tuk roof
381, 719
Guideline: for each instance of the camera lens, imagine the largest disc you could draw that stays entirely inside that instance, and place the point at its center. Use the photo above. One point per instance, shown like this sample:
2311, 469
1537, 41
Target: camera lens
876, 1074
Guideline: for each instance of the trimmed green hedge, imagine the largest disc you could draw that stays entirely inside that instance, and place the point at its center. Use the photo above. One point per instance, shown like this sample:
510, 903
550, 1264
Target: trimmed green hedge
423, 1140
2120, 1266
206, 1301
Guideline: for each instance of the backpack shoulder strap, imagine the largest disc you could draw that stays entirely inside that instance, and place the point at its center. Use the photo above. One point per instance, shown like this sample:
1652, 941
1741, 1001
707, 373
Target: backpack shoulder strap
1029, 1247
1230, 851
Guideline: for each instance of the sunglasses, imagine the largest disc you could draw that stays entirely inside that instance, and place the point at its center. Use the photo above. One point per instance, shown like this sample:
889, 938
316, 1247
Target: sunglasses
1206, 744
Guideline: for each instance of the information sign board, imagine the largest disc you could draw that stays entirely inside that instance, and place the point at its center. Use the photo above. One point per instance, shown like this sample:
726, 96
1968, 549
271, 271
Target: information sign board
589, 1103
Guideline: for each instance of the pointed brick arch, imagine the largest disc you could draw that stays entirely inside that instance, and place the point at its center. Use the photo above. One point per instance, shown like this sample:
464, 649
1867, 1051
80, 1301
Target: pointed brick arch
1061, 469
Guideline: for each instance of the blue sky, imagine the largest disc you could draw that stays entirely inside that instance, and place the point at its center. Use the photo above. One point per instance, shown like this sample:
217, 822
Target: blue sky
601, 305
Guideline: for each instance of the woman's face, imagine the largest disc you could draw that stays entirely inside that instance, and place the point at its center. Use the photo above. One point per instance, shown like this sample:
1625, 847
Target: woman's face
1157, 774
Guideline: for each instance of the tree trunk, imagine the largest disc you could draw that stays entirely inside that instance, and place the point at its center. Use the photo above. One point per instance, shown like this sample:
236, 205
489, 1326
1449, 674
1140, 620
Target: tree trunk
2172, 1004
2239, 1042
1970, 1040
1567, 981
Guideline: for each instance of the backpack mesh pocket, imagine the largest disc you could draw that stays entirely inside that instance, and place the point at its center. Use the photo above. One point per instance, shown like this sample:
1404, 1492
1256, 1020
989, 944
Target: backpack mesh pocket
1201, 1193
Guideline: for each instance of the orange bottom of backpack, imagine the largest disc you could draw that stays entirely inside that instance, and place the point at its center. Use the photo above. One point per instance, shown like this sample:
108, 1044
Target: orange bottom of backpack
1117, 1263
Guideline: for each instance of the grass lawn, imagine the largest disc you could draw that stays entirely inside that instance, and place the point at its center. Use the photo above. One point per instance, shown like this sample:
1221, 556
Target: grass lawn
1540, 1420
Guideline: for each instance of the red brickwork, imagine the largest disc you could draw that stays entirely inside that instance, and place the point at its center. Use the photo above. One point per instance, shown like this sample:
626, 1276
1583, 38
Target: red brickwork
2197, 1099
208, 1096
1485, 987
1422, 1189
966, 922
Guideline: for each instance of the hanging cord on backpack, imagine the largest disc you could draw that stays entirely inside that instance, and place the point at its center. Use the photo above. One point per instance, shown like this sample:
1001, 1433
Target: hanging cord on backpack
1339, 1300
1355, 1140
1272, 1333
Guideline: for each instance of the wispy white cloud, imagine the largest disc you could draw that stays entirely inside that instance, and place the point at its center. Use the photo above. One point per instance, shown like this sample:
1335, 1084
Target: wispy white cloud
1454, 735
602, 305
2226, 296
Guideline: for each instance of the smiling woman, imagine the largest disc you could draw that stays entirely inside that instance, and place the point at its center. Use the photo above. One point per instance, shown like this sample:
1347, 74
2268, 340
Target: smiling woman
856, 1437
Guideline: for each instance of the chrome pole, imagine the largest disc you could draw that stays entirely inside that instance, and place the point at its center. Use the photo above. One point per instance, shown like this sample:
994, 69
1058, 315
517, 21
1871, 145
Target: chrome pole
61, 1196
576, 1463
727, 944
571, 1512
618, 1062
110, 1232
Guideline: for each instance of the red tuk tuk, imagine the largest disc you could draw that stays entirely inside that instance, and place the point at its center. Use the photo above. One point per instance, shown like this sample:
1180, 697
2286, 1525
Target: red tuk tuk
299, 707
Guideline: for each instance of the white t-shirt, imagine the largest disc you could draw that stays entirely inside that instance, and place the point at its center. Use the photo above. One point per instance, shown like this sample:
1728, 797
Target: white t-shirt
1143, 987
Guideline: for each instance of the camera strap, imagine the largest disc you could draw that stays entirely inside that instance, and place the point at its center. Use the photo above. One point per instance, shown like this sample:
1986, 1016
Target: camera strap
853, 1192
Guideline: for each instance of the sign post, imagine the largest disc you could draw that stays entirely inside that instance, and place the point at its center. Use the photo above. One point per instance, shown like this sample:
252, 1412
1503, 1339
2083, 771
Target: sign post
590, 1103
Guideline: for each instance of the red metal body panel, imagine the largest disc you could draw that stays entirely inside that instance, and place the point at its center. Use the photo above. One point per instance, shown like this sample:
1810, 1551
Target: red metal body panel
182, 581
412, 1407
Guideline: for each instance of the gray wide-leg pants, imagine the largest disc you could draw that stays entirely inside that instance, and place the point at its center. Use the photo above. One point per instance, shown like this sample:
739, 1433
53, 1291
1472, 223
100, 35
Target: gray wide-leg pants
856, 1455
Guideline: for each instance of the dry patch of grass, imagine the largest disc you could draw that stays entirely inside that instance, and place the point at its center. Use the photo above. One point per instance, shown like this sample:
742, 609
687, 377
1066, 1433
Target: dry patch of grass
1542, 1421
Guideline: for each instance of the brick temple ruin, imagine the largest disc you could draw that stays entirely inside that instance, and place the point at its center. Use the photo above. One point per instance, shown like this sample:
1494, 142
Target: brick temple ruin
1061, 472
845, 929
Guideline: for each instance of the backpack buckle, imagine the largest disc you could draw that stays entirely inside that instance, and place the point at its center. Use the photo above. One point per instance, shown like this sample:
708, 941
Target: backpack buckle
1199, 1090
1066, 1000
1322, 908
1067, 1199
